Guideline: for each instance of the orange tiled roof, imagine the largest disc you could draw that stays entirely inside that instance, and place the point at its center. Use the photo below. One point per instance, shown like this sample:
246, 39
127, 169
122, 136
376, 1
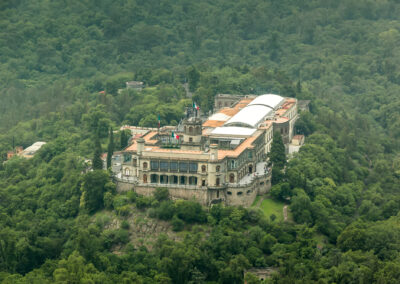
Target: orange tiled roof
148, 137
243, 102
281, 119
213, 123
179, 151
243, 146
132, 147
229, 111
298, 137
267, 124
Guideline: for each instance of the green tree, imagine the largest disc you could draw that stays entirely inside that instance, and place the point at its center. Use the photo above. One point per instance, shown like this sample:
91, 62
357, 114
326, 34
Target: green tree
97, 162
193, 78
123, 139
110, 149
94, 185
277, 155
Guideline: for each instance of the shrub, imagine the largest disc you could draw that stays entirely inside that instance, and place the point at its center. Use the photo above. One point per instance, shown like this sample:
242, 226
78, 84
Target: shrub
190, 211
125, 225
166, 210
131, 196
177, 224
161, 194
143, 202
123, 210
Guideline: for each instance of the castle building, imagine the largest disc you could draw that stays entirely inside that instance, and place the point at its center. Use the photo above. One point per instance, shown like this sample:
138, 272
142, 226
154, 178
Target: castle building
222, 159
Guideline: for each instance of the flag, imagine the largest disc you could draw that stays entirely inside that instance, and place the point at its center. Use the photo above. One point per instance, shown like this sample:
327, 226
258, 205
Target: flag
159, 121
195, 106
175, 136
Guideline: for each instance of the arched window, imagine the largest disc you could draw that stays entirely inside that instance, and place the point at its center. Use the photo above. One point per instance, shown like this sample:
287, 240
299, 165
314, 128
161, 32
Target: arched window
145, 165
203, 168
217, 169
190, 130
231, 178
217, 182
127, 172
190, 139
144, 178
250, 169
154, 178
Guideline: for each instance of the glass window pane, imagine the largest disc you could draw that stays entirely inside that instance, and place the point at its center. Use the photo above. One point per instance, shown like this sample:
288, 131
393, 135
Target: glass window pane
183, 167
174, 166
164, 166
154, 165
193, 167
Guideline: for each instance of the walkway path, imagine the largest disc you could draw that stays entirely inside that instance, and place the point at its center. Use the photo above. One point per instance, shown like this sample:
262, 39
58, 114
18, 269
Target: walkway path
285, 213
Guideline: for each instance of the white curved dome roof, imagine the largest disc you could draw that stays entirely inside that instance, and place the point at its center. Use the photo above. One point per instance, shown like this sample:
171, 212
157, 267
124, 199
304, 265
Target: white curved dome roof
269, 100
250, 116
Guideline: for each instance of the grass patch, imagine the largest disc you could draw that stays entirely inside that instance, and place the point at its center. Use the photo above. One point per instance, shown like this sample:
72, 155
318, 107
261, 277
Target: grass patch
256, 200
269, 207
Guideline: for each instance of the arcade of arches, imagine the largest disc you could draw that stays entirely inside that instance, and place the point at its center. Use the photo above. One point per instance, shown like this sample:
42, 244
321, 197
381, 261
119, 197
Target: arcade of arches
171, 179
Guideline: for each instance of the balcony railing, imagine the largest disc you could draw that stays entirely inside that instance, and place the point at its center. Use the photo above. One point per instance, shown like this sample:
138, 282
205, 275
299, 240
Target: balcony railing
169, 185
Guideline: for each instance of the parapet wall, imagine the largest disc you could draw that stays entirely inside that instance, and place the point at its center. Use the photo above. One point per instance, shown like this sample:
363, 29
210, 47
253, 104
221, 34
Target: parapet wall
234, 196
245, 195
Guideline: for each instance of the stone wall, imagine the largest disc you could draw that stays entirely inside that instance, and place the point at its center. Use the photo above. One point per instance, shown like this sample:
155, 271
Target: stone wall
245, 195
235, 196
124, 186
198, 194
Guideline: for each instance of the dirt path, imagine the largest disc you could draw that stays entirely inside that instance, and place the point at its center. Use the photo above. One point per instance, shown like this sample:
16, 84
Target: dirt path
260, 201
285, 213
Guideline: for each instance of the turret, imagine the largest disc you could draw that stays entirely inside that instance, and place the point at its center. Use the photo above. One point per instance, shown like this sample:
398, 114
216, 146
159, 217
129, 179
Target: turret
192, 128
213, 152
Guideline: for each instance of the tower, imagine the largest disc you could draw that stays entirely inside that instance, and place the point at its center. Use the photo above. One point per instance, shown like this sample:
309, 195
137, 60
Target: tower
192, 130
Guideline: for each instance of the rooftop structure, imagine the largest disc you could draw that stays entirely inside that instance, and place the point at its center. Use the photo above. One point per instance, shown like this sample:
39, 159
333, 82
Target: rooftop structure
31, 150
222, 159
137, 85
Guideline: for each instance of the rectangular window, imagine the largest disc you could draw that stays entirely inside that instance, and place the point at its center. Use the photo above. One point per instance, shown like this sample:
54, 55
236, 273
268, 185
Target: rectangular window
232, 164
193, 167
183, 167
154, 165
127, 158
174, 166
164, 166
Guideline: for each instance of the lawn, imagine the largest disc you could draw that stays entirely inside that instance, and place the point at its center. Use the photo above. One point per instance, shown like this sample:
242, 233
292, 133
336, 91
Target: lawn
256, 201
269, 207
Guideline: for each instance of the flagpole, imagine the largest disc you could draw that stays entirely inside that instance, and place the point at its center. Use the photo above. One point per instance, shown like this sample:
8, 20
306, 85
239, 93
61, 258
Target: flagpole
159, 122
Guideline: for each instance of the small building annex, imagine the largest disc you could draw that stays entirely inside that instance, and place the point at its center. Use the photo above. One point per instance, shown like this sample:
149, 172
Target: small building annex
218, 159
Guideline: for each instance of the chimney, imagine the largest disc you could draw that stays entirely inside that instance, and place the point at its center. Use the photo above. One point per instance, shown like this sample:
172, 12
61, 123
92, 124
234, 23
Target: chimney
140, 146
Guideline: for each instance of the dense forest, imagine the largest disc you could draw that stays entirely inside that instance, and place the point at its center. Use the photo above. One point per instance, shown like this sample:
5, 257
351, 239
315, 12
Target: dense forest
61, 66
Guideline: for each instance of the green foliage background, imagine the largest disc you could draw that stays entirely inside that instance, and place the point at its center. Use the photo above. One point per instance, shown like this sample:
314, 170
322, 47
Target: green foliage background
57, 56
